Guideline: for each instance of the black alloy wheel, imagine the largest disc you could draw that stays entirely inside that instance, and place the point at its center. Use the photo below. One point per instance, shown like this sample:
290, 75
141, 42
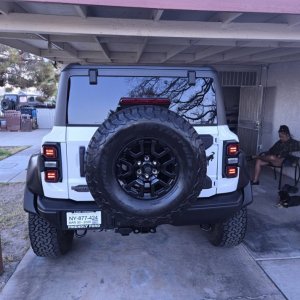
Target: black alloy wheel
146, 169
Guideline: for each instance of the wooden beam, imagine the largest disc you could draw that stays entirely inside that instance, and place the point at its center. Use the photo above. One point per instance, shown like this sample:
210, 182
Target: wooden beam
174, 52
18, 22
21, 45
274, 54
224, 17
103, 48
265, 6
141, 50
208, 52
157, 13
81, 11
5, 7
238, 53
227, 17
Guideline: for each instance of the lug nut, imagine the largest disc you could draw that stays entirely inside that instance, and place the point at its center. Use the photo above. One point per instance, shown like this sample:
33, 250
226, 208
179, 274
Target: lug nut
139, 171
146, 158
139, 163
154, 163
154, 171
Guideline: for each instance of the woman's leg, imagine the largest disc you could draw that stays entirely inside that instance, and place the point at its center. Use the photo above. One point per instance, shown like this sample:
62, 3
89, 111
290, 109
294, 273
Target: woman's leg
258, 165
263, 161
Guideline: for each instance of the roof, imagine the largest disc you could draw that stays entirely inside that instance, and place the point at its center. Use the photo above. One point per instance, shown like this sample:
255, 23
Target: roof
138, 32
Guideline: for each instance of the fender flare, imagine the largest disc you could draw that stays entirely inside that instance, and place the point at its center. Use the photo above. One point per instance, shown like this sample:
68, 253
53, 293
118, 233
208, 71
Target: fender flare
33, 178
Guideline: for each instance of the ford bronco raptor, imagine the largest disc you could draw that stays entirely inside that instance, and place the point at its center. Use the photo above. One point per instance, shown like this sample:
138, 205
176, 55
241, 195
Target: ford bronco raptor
133, 148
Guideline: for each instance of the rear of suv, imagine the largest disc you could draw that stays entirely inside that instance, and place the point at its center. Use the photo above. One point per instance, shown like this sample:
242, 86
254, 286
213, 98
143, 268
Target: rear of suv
133, 148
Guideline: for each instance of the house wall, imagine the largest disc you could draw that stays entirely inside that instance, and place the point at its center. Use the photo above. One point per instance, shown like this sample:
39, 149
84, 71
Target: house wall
282, 102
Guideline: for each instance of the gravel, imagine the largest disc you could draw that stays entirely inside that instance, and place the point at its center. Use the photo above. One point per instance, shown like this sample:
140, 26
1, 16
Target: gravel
13, 228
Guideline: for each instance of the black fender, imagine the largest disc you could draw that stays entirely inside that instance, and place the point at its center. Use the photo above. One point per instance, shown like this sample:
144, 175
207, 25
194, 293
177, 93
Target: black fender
244, 176
30, 201
33, 178
244, 182
34, 186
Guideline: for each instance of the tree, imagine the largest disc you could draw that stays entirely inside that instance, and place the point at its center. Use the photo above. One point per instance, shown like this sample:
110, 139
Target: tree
196, 103
24, 70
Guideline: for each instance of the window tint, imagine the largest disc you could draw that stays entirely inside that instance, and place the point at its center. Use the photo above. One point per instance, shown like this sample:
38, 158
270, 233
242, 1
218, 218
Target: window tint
91, 104
11, 97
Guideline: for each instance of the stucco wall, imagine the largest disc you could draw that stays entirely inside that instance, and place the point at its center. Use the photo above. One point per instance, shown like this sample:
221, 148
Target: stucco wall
282, 102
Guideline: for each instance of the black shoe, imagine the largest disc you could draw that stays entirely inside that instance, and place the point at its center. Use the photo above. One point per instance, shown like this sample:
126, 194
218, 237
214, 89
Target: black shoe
254, 182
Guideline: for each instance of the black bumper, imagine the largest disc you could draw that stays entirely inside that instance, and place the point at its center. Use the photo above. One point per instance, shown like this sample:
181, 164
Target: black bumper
205, 210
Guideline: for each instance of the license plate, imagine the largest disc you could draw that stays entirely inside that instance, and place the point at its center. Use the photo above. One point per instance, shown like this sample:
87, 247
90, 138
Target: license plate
84, 219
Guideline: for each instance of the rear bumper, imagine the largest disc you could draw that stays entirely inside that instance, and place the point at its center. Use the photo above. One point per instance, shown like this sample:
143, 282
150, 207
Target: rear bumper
205, 210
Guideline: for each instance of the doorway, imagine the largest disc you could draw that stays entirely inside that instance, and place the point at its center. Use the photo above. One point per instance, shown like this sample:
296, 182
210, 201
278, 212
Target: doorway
243, 105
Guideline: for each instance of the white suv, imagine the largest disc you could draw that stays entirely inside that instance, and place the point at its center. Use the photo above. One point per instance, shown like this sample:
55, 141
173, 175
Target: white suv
133, 148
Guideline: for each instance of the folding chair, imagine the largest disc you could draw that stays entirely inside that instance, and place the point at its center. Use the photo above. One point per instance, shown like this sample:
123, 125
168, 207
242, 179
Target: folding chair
291, 162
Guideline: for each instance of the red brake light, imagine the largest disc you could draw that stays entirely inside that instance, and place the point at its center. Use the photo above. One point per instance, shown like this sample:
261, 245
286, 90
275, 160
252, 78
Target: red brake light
232, 149
231, 171
144, 101
51, 176
50, 152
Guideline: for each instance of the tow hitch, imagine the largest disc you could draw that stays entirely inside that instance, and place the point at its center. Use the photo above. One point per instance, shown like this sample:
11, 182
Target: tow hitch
127, 230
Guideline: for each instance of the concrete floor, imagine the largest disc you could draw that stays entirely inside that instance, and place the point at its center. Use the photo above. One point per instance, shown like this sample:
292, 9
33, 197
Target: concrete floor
174, 263
13, 168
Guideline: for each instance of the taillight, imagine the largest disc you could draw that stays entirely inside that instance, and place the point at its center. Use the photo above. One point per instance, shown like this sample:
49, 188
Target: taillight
144, 101
49, 151
232, 149
51, 175
231, 171
231, 159
52, 163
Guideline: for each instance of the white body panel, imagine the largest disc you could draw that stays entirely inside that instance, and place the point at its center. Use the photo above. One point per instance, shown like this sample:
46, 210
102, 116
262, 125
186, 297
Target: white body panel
72, 138
77, 137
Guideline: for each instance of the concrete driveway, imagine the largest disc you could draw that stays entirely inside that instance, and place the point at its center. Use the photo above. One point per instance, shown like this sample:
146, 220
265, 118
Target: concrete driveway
13, 168
174, 263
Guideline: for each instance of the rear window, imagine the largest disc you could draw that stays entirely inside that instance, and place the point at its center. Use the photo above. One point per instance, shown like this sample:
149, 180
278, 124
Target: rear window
91, 104
11, 97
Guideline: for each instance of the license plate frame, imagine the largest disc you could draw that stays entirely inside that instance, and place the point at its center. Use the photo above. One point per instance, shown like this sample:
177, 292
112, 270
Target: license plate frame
83, 219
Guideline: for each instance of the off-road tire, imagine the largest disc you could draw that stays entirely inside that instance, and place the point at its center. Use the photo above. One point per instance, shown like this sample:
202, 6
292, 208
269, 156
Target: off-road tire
141, 122
46, 240
230, 232
8, 104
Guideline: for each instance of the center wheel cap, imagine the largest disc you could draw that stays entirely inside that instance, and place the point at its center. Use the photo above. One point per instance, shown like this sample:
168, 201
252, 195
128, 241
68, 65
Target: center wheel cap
148, 170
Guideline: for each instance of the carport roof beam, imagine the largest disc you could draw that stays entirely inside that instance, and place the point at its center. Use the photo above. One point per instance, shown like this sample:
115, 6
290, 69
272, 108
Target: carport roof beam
265, 6
37, 23
103, 48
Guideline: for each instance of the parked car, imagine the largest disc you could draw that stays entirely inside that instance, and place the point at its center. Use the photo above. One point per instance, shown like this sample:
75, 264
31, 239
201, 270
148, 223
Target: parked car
12, 101
133, 148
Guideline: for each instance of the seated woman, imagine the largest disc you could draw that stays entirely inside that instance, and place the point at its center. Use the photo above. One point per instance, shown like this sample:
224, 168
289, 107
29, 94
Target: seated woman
277, 153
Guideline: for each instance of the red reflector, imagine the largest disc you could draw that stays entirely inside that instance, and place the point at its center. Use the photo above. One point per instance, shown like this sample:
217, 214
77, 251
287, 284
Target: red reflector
231, 171
49, 151
232, 149
51, 176
144, 101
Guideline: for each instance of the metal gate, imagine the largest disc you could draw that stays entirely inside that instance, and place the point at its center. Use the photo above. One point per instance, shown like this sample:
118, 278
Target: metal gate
249, 121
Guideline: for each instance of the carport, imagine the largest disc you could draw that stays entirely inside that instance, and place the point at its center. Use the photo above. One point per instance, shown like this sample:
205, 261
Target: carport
255, 47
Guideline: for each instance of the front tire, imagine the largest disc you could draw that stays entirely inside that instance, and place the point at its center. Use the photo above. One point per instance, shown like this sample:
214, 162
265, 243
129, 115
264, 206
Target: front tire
46, 240
231, 232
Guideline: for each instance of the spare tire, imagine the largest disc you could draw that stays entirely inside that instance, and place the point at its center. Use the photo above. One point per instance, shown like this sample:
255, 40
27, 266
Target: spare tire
7, 104
145, 163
